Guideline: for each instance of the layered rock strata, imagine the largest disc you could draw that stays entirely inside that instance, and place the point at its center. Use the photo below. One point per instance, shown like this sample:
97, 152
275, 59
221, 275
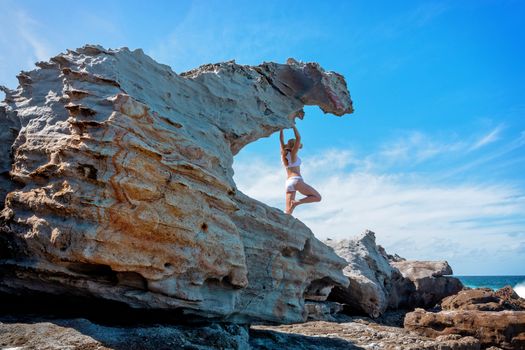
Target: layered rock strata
121, 185
484, 299
504, 329
496, 318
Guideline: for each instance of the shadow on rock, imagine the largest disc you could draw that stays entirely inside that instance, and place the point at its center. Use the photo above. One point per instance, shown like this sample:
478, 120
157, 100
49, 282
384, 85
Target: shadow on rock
266, 339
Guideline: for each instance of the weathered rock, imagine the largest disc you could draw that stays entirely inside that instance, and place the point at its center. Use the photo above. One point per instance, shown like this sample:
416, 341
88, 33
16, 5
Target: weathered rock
121, 185
368, 271
389, 257
323, 310
484, 299
9, 128
347, 333
354, 334
482, 313
379, 281
59, 334
424, 284
505, 329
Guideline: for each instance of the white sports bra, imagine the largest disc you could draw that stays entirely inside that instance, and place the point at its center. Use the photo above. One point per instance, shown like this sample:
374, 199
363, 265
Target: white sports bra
289, 159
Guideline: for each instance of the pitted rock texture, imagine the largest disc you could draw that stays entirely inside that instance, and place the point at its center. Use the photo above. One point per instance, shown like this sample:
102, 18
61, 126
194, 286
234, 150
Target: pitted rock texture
485, 299
504, 329
121, 185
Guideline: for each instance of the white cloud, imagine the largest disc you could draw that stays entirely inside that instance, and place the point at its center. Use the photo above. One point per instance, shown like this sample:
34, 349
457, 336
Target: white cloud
26, 30
474, 226
22, 44
411, 148
488, 138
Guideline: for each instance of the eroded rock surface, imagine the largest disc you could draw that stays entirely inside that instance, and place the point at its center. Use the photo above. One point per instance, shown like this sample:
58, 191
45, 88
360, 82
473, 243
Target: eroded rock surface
368, 271
504, 329
121, 185
424, 284
379, 281
484, 299
354, 333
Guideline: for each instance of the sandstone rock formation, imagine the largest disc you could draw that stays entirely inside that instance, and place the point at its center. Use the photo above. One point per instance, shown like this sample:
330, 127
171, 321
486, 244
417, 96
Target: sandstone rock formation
496, 318
121, 185
484, 299
424, 284
379, 281
504, 329
368, 271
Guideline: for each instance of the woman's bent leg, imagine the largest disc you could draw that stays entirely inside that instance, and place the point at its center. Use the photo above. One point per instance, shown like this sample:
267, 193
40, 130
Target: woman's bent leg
290, 199
311, 194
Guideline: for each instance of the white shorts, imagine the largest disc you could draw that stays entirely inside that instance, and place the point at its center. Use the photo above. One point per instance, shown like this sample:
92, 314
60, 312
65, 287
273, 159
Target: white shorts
291, 182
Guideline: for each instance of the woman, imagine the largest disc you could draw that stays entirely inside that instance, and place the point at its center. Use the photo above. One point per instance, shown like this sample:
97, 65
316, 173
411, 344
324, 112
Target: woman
294, 180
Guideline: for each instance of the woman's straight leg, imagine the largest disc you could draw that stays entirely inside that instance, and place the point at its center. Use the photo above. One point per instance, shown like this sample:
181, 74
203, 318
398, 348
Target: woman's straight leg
290, 198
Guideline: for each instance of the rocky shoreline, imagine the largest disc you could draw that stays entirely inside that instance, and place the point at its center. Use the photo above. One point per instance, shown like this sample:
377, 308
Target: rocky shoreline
353, 333
121, 226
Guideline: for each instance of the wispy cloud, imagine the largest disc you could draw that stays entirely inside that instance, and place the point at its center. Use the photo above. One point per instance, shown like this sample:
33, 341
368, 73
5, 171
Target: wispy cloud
415, 146
26, 28
23, 39
488, 138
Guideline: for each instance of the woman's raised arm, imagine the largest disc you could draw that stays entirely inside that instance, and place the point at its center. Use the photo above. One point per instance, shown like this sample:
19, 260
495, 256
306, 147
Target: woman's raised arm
297, 144
281, 139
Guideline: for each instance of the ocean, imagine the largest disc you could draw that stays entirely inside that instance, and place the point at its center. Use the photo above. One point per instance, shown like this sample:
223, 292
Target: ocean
495, 282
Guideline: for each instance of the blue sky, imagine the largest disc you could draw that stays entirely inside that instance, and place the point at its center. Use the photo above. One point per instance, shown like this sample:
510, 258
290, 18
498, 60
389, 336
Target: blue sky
432, 159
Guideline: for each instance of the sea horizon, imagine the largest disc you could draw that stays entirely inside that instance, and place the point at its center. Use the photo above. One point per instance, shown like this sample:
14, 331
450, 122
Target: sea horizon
494, 282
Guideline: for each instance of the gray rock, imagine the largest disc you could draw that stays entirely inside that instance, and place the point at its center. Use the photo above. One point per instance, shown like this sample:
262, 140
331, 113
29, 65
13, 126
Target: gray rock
323, 311
424, 284
368, 271
379, 281
62, 334
121, 185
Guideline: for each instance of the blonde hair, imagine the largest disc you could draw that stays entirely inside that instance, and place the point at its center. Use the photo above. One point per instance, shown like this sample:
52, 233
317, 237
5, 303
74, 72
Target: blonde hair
290, 144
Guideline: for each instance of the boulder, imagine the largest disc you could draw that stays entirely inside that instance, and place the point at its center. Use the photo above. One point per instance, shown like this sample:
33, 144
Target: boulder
379, 281
504, 329
368, 271
424, 284
484, 299
121, 185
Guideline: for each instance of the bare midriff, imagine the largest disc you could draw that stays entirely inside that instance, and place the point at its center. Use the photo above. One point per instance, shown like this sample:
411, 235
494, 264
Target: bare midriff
293, 171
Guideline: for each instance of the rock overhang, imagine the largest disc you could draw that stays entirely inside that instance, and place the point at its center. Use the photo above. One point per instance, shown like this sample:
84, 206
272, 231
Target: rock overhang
121, 184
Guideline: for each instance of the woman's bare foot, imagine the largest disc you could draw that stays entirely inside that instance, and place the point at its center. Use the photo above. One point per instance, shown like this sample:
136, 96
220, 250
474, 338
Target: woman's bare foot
293, 204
